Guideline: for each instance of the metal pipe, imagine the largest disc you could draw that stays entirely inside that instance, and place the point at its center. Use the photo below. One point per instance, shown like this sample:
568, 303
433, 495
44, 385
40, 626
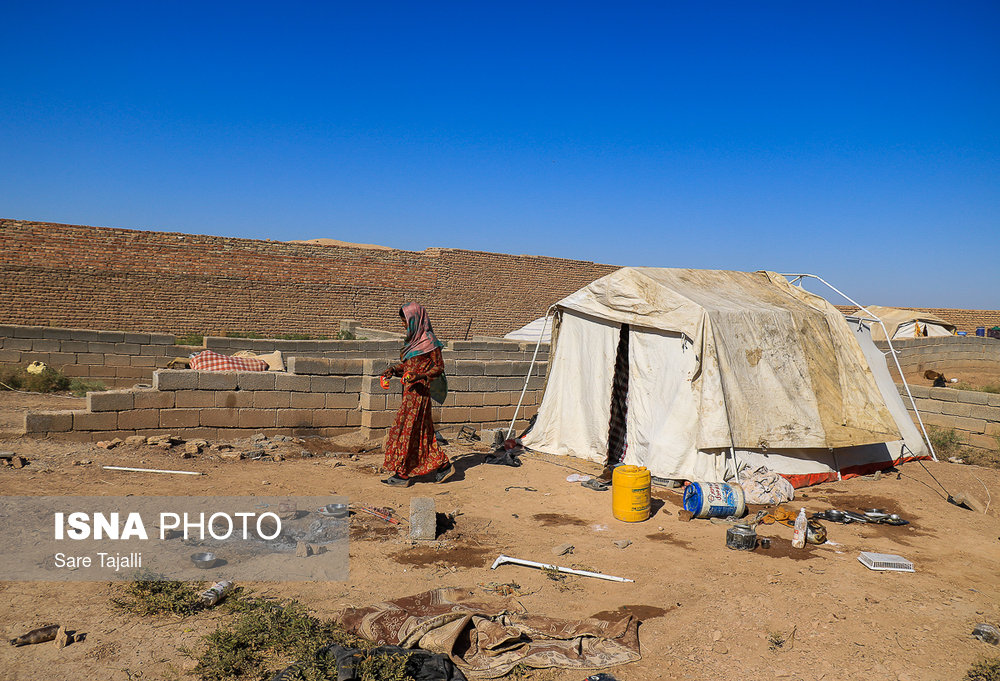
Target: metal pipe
531, 368
148, 470
501, 559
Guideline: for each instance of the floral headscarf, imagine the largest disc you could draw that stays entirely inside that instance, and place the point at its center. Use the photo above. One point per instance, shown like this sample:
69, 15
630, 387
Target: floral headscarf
420, 338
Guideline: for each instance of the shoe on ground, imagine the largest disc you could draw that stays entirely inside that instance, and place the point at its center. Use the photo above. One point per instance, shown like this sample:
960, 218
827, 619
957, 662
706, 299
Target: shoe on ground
396, 481
443, 473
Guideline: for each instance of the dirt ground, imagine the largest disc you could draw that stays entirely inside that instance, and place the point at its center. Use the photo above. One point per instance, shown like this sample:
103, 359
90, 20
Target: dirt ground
977, 378
707, 612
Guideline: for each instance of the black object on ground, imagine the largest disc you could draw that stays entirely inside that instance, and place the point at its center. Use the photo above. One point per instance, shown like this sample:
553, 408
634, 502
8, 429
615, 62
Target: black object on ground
345, 664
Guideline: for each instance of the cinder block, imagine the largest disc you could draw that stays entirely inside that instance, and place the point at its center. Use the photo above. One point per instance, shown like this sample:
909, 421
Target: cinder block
217, 380
255, 380
483, 414
179, 418
161, 339
292, 383
152, 399
498, 399
101, 348
468, 368
374, 419
327, 384
45, 345
371, 402
137, 338
352, 384
112, 400
194, 399
307, 400
127, 348
346, 367
993, 429
175, 379
22, 344
10, 356
466, 399
28, 357
342, 400
982, 441
423, 519
944, 394
111, 336
295, 418
48, 421
105, 420
153, 350
456, 414
482, 384
62, 358
984, 412
117, 360
257, 418
76, 370
270, 399
993, 400
220, 418
308, 366
239, 399
29, 331
138, 419
956, 408
143, 361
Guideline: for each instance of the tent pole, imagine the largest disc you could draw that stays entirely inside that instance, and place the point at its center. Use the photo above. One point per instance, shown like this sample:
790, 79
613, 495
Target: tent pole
531, 367
892, 351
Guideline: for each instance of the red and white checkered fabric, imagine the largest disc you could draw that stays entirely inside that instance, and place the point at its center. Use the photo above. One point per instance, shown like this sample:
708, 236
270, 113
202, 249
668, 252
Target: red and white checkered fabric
206, 360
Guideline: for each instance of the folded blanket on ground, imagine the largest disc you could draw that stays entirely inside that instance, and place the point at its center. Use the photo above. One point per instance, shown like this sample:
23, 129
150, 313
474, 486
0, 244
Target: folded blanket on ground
206, 360
487, 641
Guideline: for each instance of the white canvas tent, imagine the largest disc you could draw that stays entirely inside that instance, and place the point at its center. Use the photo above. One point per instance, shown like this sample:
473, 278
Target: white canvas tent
726, 370
903, 324
534, 330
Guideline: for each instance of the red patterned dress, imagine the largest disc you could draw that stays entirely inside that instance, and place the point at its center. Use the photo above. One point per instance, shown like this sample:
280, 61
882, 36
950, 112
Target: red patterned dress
410, 448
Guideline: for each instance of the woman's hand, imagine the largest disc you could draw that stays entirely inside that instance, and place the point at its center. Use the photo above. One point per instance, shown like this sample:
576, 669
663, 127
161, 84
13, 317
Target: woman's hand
415, 378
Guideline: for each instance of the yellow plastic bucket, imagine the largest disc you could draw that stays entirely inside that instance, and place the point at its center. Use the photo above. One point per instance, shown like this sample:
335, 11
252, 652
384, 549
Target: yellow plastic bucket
630, 493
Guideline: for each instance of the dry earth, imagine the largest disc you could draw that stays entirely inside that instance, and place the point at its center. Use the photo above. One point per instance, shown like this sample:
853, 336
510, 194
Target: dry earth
707, 612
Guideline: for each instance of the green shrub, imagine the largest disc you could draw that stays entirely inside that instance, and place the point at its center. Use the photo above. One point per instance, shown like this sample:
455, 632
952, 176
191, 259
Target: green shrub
190, 339
944, 440
81, 386
151, 596
48, 381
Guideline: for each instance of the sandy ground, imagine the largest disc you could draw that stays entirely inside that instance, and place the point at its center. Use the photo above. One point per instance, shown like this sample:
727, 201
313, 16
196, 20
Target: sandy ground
707, 612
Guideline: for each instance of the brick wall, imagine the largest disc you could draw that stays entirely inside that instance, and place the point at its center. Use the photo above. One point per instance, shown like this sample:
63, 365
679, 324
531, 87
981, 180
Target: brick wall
98, 278
317, 396
975, 416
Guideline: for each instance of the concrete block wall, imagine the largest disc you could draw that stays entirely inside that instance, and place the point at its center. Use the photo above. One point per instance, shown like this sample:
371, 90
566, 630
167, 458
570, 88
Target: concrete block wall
116, 358
975, 416
948, 354
316, 396
122, 358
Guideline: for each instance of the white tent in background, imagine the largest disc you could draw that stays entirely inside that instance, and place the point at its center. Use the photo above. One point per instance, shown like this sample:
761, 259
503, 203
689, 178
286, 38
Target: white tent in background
725, 370
903, 324
532, 330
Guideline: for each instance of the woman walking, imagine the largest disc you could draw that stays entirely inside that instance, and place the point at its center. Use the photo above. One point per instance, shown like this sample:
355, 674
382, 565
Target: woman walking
411, 449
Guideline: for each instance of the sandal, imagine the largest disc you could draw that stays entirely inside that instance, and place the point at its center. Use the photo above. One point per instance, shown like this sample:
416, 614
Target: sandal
395, 480
443, 473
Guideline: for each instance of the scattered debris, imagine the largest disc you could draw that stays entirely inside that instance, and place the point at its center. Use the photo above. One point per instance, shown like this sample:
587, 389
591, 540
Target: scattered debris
505, 589
110, 444
381, 513
966, 500
135, 440
562, 549
885, 561
622, 543
215, 593
987, 633
502, 560
258, 437
685, 516
40, 635
12, 459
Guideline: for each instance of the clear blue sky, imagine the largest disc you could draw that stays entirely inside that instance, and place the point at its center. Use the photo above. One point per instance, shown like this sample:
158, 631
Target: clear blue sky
857, 140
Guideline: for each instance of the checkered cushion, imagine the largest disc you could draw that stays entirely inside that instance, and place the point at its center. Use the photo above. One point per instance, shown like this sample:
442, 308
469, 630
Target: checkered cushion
206, 360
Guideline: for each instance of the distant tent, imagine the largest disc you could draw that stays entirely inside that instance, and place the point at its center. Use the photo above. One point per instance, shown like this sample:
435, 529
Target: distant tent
531, 331
721, 370
902, 324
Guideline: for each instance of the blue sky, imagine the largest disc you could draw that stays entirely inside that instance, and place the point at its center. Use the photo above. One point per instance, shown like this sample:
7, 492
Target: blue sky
858, 141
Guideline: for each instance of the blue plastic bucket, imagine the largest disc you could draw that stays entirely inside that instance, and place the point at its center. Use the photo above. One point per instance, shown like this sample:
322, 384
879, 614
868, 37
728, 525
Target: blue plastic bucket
981, 331
714, 500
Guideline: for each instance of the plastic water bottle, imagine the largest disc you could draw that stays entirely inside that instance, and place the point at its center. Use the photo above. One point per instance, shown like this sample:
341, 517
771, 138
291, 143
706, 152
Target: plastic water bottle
799, 533
215, 593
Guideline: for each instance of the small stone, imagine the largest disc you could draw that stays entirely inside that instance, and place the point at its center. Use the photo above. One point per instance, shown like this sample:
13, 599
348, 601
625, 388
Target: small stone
717, 635
82, 462
62, 638
165, 444
258, 437
720, 648
186, 455
264, 482
623, 543
685, 515
660, 528
302, 550
153, 439
562, 549
191, 448
316, 549
281, 438
277, 457
354, 457
135, 440
336, 464
18, 462
231, 455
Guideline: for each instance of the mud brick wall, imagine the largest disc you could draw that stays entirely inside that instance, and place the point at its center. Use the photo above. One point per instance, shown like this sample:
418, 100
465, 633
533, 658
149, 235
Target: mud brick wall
317, 396
975, 416
949, 355
100, 278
